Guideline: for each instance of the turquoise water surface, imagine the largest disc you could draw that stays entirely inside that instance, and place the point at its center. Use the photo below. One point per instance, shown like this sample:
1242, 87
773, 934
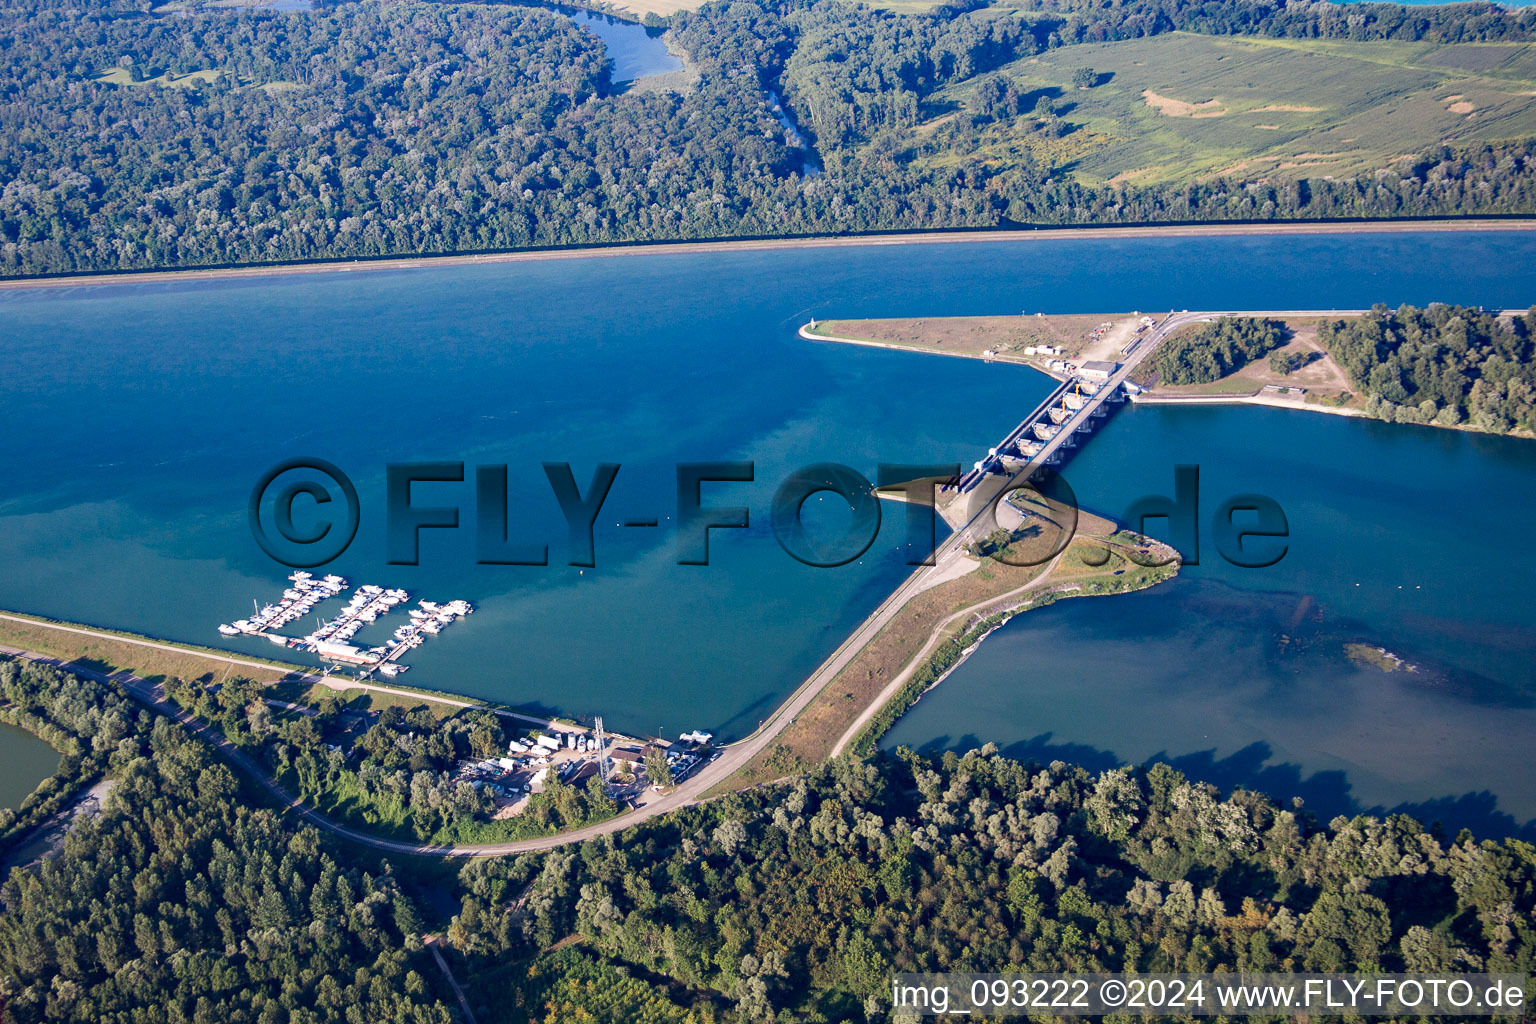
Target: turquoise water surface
138, 417
25, 761
1403, 538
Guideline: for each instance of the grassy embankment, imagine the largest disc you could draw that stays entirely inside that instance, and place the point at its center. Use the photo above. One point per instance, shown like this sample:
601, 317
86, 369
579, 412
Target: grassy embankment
1325, 383
160, 661
971, 336
126, 652
1181, 107
936, 628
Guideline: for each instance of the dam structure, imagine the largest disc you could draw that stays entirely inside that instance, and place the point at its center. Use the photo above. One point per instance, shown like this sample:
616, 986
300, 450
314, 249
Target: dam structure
1068, 415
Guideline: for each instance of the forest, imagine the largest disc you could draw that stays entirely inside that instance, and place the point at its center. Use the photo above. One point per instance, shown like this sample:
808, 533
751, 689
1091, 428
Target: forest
354, 130
183, 902
1446, 365
796, 902
1302, 19
396, 777
187, 900
83, 719
1211, 351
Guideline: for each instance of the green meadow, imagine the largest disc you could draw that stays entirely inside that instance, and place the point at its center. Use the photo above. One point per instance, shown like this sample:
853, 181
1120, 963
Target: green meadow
1182, 107
191, 80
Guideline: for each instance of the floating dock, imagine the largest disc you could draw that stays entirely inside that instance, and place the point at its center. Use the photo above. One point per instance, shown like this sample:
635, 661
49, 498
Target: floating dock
331, 640
297, 602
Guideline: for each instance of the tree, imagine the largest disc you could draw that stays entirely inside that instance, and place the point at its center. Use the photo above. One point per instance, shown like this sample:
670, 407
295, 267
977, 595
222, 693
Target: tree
657, 768
1210, 351
1444, 365
730, 834
1084, 78
1288, 362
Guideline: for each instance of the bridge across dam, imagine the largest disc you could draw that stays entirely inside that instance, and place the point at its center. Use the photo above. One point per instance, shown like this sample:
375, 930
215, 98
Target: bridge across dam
1069, 410
1013, 444
1039, 438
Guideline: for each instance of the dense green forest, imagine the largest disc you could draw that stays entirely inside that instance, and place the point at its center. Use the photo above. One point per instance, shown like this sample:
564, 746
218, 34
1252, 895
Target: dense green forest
397, 776
792, 902
1210, 351
797, 902
181, 902
1301, 19
80, 717
1447, 365
363, 129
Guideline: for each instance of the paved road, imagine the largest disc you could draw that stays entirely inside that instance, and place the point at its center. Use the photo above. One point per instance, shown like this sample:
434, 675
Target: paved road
732, 758
979, 506
153, 695
934, 638
339, 682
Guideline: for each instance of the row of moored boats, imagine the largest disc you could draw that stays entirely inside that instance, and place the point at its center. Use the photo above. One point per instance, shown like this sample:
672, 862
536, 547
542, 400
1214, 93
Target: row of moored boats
297, 601
331, 639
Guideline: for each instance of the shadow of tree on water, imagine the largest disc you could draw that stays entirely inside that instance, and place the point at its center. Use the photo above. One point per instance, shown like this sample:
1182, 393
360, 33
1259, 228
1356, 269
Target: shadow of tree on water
1326, 794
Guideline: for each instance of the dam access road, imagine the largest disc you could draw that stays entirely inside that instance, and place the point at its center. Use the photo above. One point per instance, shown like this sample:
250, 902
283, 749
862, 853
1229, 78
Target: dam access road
947, 560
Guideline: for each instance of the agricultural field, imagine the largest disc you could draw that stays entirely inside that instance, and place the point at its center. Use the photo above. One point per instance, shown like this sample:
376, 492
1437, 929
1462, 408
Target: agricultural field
638, 9
1182, 107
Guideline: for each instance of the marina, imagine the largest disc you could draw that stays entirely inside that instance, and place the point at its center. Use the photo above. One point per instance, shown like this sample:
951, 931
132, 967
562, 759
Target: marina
331, 640
96, 553
574, 755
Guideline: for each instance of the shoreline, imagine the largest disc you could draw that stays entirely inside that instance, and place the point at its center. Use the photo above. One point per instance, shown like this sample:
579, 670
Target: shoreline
939, 237
806, 333
289, 672
1153, 398
1141, 398
1030, 599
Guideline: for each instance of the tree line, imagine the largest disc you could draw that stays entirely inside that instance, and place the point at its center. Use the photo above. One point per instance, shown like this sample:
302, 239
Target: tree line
1446, 365
360, 130
1476, 22
83, 719
397, 776
181, 902
1210, 351
797, 902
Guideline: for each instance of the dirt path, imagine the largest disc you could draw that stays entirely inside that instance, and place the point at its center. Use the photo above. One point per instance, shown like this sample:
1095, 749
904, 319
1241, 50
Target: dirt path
936, 637
294, 675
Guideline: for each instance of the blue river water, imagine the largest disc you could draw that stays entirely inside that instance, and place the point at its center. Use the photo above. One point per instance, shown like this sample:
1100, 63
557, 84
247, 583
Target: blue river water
1402, 538
635, 50
138, 416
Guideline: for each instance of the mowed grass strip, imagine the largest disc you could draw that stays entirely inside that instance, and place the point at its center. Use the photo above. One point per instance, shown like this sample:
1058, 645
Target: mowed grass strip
983, 591
152, 663
973, 335
1183, 107
203, 665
